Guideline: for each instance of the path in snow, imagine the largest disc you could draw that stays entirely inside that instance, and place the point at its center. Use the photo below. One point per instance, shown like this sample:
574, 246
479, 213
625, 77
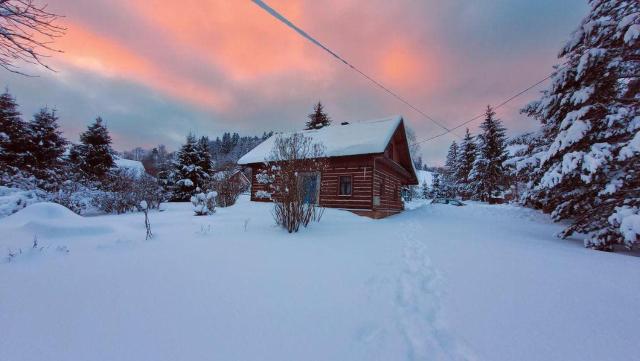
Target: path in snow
418, 302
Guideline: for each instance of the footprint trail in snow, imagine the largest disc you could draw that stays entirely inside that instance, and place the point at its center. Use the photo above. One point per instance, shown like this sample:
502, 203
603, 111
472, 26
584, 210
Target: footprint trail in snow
418, 305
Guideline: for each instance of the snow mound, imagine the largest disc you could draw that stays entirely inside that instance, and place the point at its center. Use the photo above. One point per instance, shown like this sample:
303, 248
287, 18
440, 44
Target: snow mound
43, 211
52, 220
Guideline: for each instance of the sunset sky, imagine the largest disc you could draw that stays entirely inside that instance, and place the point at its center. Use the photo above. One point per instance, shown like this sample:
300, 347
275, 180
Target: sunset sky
156, 70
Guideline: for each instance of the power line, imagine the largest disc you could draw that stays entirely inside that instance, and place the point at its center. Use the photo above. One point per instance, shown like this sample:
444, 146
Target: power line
503, 103
304, 34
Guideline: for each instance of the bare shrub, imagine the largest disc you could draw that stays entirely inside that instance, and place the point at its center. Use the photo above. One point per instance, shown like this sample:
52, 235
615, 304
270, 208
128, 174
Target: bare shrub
227, 188
125, 189
293, 167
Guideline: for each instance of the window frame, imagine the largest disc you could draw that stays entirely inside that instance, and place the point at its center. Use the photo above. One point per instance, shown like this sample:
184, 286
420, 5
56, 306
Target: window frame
350, 185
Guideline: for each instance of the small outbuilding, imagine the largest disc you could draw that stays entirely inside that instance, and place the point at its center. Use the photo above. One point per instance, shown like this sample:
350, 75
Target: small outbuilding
368, 164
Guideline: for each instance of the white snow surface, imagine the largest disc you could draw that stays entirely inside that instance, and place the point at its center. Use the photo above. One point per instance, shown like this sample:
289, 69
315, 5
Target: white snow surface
424, 177
365, 137
437, 282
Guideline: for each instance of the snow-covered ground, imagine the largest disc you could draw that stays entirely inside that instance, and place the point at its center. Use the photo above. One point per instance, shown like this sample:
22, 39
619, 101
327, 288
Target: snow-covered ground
434, 283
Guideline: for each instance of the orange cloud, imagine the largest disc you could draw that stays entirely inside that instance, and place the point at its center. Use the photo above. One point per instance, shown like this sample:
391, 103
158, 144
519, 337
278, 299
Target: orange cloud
87, 50
403, 65
237, 36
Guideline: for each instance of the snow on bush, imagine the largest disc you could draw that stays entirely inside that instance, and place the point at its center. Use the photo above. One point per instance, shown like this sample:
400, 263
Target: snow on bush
15, 199
263, 195
204, 204
627, 219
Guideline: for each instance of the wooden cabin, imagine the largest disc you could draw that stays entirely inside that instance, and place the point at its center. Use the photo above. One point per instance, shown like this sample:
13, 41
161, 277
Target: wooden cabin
368, 164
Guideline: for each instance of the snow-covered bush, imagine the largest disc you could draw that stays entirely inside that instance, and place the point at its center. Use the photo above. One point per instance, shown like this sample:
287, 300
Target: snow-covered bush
124, 190
204, 204
263, 194
77, 197
14, 199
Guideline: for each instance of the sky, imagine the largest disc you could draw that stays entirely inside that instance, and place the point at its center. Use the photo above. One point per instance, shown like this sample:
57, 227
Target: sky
157, 70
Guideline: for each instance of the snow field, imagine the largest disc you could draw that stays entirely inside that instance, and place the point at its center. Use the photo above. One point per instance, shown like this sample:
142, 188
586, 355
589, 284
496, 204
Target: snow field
434, 283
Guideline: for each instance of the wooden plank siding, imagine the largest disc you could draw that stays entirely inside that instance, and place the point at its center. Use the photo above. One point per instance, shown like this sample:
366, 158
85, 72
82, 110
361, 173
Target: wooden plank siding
361, 187
387, 185
369, 178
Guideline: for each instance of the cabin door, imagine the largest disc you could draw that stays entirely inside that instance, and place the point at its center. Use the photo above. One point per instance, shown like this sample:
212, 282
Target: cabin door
310, 184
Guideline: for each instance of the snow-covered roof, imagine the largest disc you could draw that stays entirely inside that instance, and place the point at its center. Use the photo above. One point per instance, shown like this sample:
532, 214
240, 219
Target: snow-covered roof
133, 166
364, 137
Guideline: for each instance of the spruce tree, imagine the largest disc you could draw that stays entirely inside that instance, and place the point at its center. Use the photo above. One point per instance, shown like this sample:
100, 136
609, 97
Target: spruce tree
436, 186
13, 134
204, 155
318, 119
587, 168
488, 176
449, 182
93, 157
46, 145
188, 170
425, 190
466, 159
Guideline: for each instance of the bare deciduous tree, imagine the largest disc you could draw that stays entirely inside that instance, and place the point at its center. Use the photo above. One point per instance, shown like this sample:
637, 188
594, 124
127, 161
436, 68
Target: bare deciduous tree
27, 33
228, 189
293, 163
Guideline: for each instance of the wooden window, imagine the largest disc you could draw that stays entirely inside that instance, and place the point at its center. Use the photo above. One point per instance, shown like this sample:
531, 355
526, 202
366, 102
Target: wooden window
345, 185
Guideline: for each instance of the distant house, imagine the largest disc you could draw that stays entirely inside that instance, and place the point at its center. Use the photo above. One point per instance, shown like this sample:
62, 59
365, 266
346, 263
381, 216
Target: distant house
236, 176
369, 162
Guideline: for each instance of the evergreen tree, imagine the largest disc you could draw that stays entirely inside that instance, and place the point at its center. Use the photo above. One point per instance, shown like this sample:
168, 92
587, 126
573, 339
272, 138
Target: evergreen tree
587, 168
425, 190
46, 145
318, 119
466, 159
449, 182
188, 171
436, 187
488, 173
204, 155
93, 157
12, 134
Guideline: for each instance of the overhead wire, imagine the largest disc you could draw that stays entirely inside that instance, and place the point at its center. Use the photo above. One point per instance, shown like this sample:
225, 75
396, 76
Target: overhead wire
305, 35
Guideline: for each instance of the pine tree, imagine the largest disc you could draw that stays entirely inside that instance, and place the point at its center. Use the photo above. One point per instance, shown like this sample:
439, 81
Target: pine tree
13, 134
488, 173
436, 187
449, 182
204, 155
466, 159
93, 157
188, 171
425, 190
46, 145
587, 168
318, 119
